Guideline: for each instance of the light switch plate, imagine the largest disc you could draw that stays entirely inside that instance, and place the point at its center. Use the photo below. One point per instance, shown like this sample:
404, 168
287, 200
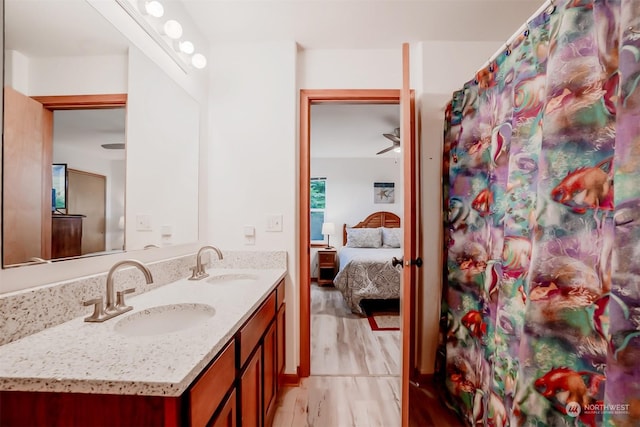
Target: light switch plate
143, 222
274, 222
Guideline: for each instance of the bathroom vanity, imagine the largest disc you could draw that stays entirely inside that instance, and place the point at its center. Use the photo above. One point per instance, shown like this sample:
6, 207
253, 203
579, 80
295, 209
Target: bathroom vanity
197, 353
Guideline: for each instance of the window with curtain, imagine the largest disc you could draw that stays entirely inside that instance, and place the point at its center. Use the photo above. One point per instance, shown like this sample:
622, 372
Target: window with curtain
317, 197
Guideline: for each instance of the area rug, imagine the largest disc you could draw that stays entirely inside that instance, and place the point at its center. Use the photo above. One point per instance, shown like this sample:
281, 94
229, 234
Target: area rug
383, 315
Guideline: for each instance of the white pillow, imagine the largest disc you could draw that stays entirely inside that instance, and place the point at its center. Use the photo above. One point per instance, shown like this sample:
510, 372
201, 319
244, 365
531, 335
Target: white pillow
364, 237
391, 237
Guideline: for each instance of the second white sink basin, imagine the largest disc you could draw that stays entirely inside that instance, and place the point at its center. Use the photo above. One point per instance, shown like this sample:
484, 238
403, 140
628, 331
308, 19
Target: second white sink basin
164, 319
233, 278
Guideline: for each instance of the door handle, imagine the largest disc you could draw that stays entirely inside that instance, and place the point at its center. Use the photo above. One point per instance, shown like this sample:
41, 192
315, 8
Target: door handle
400, 261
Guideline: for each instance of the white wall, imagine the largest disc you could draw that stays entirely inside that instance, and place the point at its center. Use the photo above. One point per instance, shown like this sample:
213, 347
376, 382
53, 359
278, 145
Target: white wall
349, 192
67, 75
438, 69
162, 157
252, 159
350, 69
349, 188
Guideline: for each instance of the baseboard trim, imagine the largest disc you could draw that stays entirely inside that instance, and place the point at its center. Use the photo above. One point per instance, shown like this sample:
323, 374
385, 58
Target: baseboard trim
289, 380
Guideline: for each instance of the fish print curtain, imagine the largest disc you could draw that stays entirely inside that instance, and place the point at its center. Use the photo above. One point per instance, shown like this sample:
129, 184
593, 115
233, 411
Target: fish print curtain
541, 301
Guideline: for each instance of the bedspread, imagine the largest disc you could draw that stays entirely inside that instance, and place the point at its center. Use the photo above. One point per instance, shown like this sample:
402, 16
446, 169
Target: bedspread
367, 273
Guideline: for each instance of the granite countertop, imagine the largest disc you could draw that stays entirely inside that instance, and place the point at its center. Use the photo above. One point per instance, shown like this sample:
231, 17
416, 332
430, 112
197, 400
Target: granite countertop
82, 357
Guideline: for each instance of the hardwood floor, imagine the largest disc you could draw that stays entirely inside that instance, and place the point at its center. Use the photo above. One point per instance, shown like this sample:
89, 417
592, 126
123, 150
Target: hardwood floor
354, 375
342, 343
354, 371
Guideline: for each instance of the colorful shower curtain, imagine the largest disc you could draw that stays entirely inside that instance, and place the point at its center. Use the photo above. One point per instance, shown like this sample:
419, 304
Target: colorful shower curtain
541, 301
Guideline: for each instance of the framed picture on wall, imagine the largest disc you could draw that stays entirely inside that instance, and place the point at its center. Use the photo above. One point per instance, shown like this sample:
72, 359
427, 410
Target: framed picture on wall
384, 192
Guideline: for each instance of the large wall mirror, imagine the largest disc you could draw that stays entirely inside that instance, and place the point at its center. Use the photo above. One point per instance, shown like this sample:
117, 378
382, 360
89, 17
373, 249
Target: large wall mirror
100, 144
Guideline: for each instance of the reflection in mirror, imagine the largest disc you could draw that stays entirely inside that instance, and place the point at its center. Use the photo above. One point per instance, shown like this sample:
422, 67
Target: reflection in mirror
62, 55
91, 144
62, 49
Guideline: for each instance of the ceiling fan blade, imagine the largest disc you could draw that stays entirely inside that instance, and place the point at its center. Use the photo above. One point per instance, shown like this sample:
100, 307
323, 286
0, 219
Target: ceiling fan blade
392, 137
386, 149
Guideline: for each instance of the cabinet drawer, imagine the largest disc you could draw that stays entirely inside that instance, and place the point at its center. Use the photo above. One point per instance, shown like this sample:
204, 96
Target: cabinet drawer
327, 258
207, 393
279, 294
255, 327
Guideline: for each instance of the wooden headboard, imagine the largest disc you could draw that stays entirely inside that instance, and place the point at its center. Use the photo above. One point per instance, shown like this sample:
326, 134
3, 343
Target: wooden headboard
375, 220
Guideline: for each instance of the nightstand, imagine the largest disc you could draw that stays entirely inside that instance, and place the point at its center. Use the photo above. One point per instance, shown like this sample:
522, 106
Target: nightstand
326, 266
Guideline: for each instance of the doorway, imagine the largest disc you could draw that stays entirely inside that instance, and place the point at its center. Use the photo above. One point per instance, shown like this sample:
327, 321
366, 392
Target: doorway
356, 172
307, 99
324, 384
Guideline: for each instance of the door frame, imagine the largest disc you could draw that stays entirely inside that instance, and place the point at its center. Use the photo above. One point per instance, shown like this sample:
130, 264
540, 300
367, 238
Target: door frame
307, 98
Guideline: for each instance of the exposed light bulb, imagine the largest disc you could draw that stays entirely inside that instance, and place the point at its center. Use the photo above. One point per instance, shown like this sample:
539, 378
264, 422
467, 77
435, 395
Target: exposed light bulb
397, 150
154, 8
199, 61
173, 29
186, 47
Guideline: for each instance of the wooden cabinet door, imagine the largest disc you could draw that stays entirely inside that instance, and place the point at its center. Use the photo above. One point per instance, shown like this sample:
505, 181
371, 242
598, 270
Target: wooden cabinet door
228, 415
87, 196
270, 349
251, 392
281, 343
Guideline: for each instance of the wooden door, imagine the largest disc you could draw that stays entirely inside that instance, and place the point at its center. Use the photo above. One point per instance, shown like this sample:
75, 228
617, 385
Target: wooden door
27, 179
281, 340
251, 392
228, 415
411, 255
270, 350
87, 195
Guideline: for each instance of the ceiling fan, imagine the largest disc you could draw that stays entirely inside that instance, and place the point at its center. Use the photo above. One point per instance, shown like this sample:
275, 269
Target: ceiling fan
393, 137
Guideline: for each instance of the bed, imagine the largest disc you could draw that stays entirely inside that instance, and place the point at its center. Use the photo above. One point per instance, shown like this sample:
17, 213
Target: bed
365, 269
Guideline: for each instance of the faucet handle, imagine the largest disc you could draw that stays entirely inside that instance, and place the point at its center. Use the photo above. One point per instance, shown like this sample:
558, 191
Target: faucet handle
120, 304
98, 310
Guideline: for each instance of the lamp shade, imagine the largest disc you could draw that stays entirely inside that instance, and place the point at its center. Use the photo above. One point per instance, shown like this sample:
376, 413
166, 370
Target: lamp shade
328, 228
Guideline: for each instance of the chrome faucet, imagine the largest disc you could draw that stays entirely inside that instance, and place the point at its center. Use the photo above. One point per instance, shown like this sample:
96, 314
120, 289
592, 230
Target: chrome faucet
115, 305
198, 272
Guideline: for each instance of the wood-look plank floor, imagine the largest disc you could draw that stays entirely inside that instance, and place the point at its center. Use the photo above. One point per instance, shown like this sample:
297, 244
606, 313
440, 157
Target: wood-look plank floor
354, 378
342, 343
354, 371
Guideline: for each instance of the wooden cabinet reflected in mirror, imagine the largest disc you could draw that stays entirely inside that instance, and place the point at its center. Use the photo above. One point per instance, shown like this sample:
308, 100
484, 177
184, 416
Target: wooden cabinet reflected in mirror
35, 138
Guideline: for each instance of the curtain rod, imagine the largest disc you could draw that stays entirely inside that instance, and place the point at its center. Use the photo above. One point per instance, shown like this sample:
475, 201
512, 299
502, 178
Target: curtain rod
522, 28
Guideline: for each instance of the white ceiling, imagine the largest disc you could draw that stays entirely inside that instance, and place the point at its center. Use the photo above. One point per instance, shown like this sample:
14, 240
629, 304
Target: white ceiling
360, 24
352, 130
337, 130
86, 130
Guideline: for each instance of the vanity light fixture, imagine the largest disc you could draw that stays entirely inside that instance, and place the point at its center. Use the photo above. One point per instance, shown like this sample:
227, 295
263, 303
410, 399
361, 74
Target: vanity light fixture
186, 47
199, 61
173, 29
167, 35
153, 8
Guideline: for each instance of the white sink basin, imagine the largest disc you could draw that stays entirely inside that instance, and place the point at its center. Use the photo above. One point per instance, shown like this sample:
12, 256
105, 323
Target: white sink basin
164, 319
236, 278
